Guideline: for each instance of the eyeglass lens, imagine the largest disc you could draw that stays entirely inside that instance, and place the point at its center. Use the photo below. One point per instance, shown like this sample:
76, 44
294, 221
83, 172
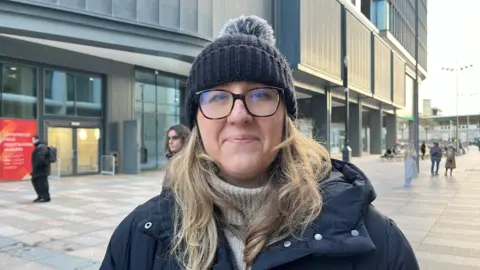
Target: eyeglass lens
218, 104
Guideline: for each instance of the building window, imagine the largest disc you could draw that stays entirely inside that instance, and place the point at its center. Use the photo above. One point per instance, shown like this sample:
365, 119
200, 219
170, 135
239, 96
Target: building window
73, 94
157, 107
18, 92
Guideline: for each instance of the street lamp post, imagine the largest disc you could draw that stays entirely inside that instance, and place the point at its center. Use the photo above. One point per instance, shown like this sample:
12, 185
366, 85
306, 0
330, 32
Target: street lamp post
456, 69
416, 120
402, 128
427, 128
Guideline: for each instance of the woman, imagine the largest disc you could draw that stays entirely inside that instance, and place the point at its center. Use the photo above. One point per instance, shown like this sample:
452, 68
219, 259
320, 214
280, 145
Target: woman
410, 165
451, 163
176, 137
249, 190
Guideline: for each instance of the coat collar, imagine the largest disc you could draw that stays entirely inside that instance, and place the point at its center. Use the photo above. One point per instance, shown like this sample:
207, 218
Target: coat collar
339, 230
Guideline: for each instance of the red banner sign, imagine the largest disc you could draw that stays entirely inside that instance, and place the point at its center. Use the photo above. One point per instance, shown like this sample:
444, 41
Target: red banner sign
16, 148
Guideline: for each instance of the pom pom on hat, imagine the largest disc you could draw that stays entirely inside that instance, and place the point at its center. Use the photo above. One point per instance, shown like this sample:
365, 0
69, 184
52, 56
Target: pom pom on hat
251, 25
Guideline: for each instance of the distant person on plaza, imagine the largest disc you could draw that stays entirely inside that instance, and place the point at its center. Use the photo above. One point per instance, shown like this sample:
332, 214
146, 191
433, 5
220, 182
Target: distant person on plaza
249, 190
436, 157
176, 137
450, 163
40, 170
423, 149
411, 170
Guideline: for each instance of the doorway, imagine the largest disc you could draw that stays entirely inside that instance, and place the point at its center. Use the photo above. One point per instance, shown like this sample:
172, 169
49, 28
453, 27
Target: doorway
78, 149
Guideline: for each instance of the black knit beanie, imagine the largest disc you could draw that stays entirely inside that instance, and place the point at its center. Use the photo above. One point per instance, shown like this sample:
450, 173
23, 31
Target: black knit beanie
244, 51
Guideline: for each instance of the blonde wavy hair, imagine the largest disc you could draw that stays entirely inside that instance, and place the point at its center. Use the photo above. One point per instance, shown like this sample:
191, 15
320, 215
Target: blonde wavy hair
293, 199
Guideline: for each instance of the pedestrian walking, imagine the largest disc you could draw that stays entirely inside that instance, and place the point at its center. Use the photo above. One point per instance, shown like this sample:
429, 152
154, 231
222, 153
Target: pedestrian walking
249, 190
450, 163
423, 149
40, 170
436, 157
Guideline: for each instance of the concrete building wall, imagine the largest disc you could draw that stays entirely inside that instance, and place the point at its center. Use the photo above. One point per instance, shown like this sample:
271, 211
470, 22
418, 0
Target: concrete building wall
197, 17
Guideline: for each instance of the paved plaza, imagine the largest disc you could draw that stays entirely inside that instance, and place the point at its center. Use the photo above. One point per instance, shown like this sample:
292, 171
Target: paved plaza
439, 215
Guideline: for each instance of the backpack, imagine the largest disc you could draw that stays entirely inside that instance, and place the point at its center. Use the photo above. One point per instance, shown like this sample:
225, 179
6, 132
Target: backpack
52, 154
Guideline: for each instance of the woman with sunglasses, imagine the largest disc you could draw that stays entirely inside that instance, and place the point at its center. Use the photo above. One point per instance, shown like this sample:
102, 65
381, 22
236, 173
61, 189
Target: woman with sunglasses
249, 190
175, 139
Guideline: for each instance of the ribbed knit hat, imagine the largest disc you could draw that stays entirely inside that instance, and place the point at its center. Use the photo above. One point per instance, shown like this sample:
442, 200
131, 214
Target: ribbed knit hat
244, 51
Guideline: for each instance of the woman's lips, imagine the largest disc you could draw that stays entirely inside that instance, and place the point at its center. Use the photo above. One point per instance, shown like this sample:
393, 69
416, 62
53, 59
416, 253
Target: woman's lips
241, 139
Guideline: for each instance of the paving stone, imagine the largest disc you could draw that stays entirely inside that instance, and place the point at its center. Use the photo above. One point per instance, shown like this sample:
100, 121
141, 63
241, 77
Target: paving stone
10, 231
66, 262
32, 238
57, 233
85, 240
61, 246
91, 253
13, 246
74, 218
31, 266
94, 266
6, 241
32, 253
7, 261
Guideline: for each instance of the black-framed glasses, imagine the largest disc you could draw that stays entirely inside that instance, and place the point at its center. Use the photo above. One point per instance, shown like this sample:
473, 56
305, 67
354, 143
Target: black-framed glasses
260, 102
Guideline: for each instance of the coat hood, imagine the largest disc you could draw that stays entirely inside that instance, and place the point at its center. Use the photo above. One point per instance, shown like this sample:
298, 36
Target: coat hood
339, 231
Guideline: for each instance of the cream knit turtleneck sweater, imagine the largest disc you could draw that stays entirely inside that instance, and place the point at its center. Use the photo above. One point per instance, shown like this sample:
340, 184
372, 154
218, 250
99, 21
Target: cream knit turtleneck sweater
245, 199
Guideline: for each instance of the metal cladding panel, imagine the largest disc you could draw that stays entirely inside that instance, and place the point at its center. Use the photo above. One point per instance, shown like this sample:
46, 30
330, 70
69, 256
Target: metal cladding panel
398, 81
382, 70
359, 54
190, 16
320, 36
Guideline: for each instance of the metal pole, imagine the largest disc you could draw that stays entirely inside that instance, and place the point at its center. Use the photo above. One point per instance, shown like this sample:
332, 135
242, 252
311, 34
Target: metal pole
346, 152
456, 99
468, 124
415, 91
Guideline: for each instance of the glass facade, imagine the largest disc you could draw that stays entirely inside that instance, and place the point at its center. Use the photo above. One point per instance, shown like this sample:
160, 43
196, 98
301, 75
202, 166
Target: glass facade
158, 102
337, 127
72, 94
18, 92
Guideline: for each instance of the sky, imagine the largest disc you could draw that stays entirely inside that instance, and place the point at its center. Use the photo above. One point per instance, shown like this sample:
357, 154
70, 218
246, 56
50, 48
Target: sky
453, 37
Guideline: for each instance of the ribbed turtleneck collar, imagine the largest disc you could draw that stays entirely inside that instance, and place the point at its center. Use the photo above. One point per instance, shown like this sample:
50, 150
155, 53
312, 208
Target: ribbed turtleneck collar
247, 200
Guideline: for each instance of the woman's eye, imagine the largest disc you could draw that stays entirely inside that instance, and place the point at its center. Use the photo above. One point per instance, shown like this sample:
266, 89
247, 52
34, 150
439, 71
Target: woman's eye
261, 94
211, 97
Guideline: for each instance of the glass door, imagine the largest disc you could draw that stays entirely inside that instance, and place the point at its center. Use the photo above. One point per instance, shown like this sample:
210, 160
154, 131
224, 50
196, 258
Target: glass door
77, 150
87, 150
62, 139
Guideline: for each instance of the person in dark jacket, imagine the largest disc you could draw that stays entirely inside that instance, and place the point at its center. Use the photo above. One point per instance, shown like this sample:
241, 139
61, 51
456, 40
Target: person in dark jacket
40, 170
175, 139
423, 150
249, 190
436, 158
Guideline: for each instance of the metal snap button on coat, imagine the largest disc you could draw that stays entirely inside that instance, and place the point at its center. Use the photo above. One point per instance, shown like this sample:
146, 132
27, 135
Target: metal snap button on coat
287, 243
148, 225
355, 233
318, 236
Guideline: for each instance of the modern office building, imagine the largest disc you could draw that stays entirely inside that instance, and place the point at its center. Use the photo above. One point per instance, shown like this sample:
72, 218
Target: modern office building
367, 46
102, 77
444, 128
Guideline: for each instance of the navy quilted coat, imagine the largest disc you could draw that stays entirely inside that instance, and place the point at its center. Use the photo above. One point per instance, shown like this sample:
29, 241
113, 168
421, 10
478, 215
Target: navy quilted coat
349, 234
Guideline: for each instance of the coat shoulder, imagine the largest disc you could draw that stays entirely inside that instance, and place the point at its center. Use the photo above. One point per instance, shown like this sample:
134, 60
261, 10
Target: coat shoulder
393, 250
134, 231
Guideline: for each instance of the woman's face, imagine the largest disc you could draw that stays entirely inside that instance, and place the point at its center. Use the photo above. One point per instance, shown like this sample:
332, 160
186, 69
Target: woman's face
174, 141
242, 144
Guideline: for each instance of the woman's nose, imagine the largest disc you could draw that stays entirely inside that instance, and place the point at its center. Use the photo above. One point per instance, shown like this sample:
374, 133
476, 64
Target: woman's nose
239, 113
